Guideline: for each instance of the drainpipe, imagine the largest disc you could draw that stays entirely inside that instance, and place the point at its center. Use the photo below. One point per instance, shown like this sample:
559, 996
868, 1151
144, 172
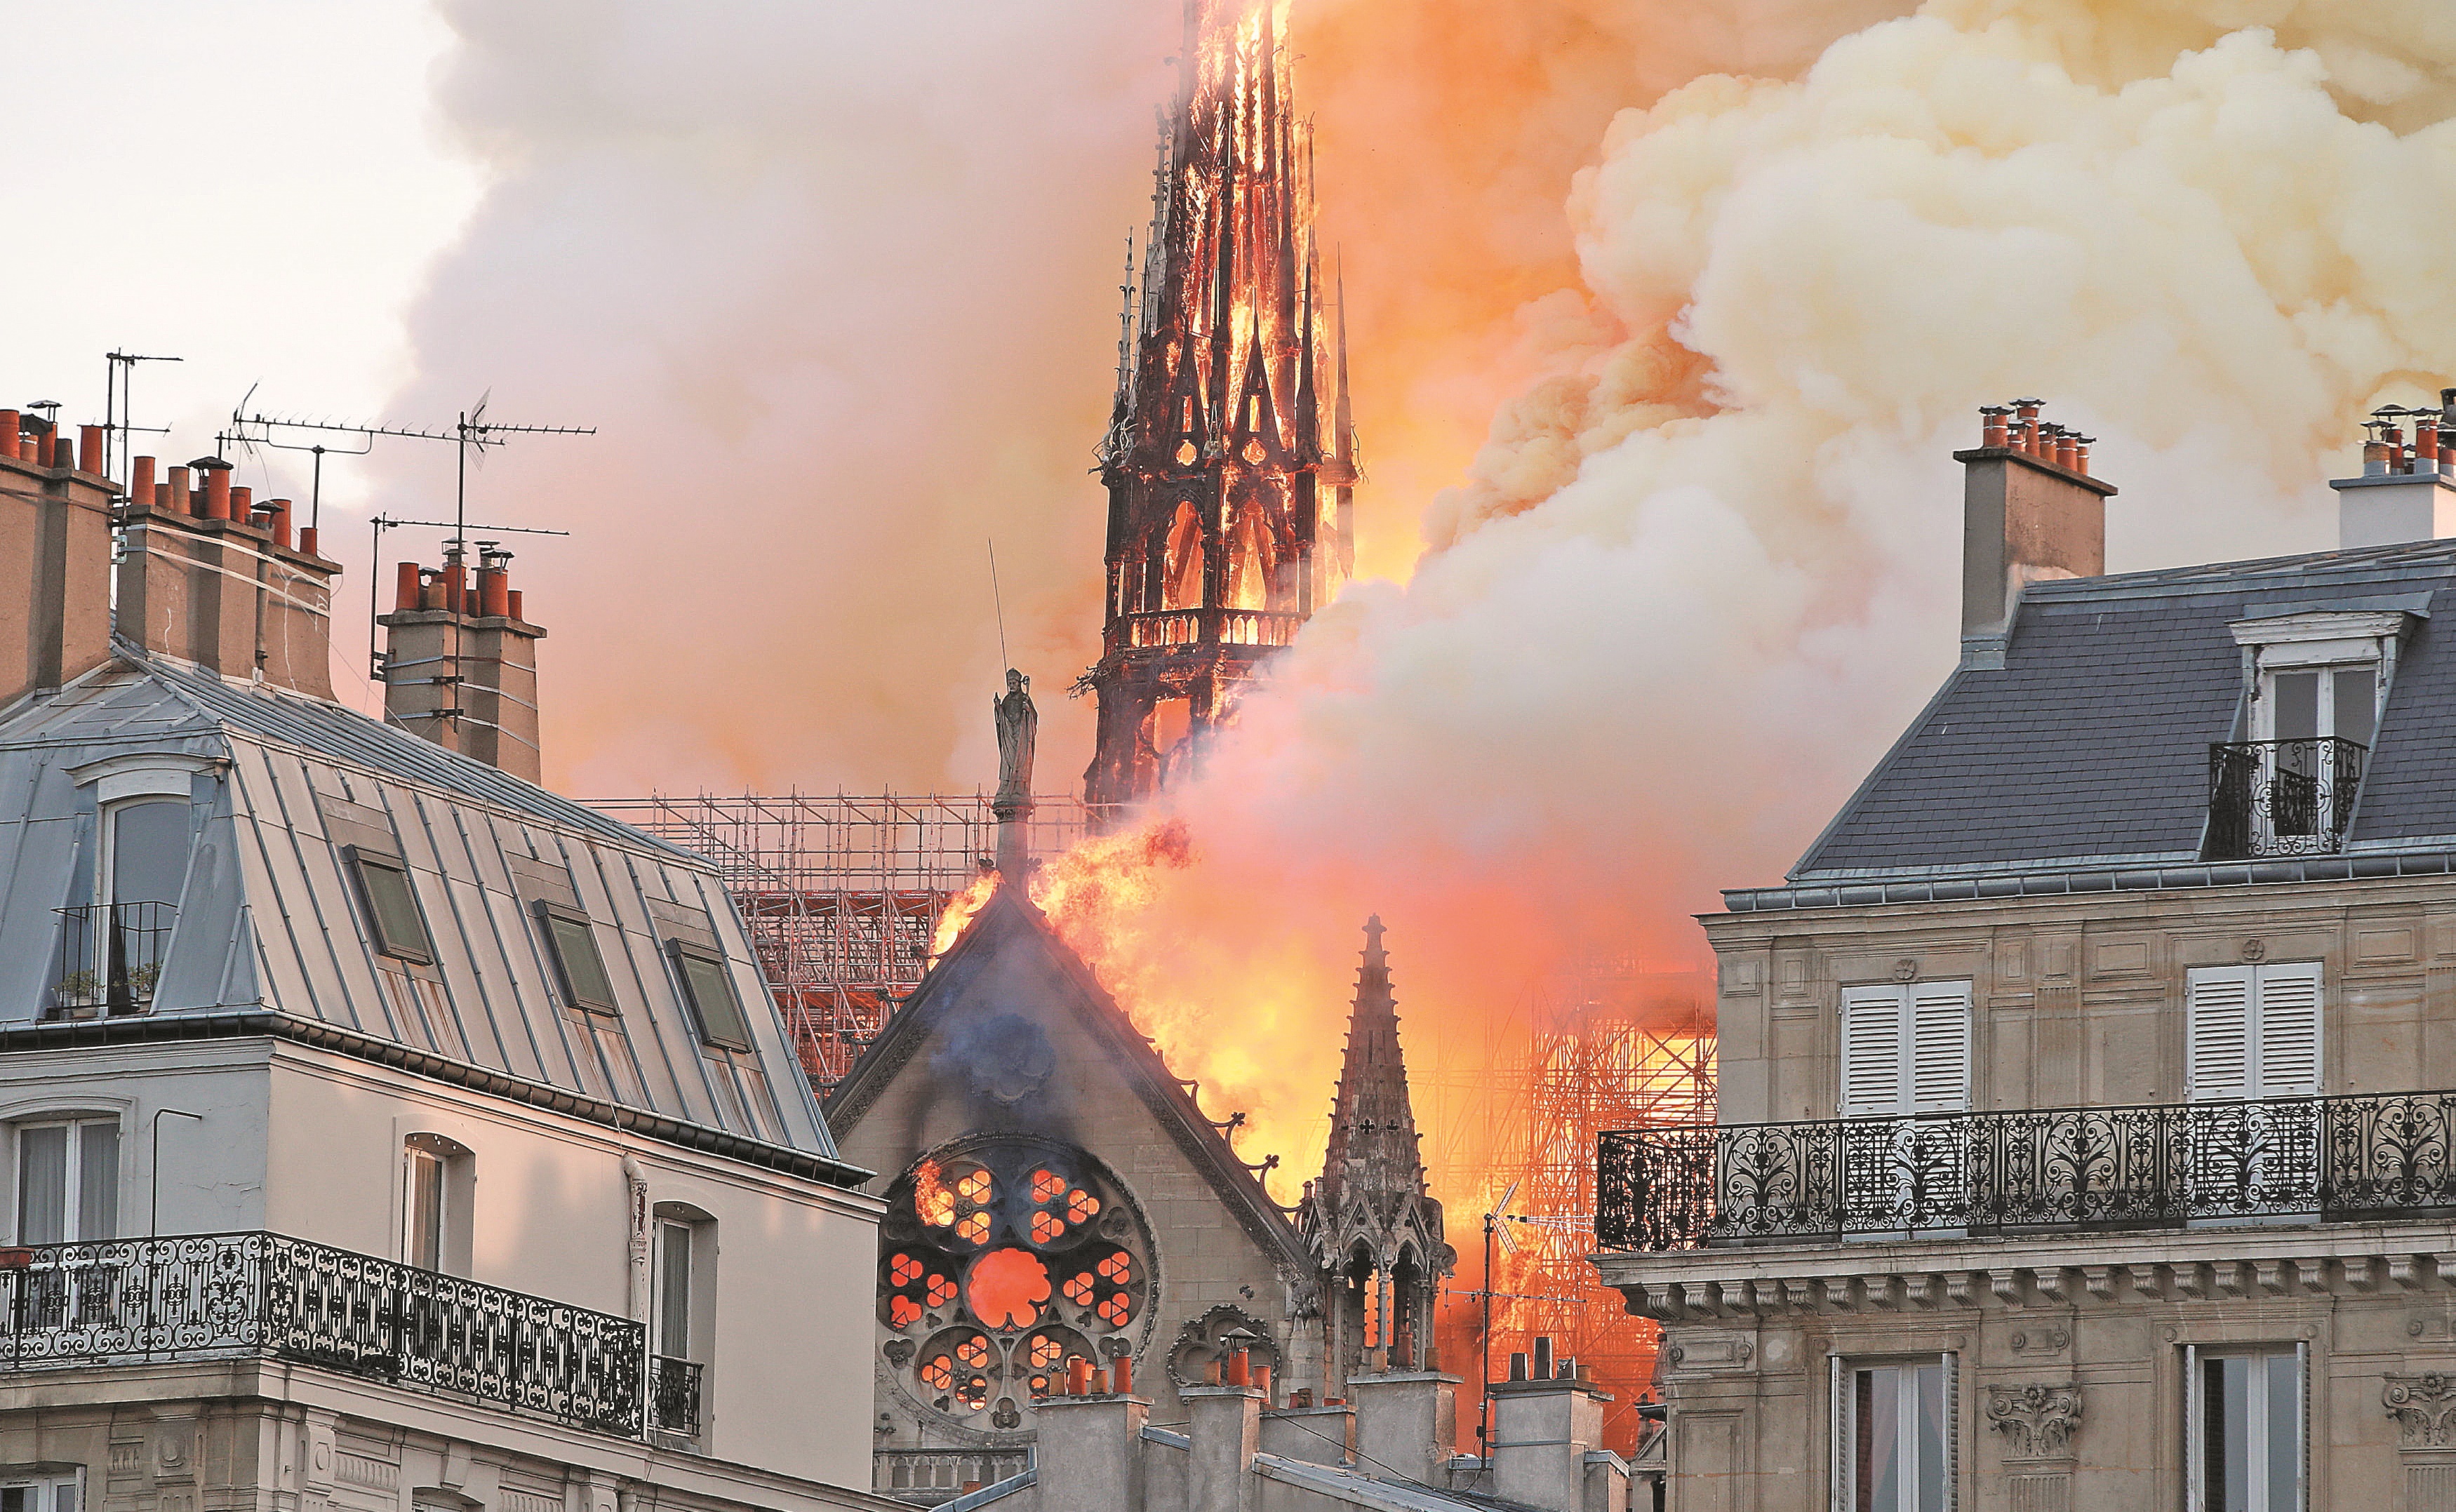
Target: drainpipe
635, 1185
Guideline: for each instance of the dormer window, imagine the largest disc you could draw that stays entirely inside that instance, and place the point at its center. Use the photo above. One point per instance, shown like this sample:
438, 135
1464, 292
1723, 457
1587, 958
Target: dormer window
2315, 681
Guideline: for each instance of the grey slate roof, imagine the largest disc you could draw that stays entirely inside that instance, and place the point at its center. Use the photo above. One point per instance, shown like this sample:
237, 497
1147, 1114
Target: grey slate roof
2089, 748
270, 918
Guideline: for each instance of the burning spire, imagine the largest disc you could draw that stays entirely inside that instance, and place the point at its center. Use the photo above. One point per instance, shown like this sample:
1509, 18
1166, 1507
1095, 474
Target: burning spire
1230, 478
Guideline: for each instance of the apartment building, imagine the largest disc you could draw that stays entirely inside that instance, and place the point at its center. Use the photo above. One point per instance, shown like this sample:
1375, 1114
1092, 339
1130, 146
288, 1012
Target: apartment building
2085, 1113
378, 1131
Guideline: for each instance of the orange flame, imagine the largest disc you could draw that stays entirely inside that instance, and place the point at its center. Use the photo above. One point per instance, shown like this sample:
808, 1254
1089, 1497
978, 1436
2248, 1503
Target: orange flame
960, 912
930, 1197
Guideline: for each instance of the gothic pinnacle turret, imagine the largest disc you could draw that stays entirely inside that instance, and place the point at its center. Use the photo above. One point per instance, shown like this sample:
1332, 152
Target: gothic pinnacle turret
1375, 1231
1228, 485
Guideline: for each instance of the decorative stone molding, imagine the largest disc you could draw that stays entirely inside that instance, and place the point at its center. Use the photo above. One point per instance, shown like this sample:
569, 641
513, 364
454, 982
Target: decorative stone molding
2037, 1420
2423, 1407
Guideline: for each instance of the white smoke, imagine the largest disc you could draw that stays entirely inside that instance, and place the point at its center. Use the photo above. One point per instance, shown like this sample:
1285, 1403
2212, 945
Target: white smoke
1707, 567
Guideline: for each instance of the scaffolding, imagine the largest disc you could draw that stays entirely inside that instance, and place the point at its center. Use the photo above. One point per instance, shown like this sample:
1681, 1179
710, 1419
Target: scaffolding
1607, 1043
841, 894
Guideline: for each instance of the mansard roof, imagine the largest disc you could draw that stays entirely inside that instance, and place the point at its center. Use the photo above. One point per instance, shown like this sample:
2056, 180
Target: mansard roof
272, 918
1009, 925
2087, 752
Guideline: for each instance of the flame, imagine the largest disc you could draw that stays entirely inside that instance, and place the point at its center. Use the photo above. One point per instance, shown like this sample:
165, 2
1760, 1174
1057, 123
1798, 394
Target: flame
960, 912
930, 1197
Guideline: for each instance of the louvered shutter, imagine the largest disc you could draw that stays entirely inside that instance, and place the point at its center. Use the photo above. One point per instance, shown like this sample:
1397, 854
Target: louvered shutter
2286, 1029
1871, 1051
2218, 1031
1940, 1046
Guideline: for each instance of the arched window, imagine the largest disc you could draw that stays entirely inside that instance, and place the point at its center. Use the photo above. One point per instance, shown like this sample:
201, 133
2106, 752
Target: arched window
1001, 1260
1181, 587
1253, 560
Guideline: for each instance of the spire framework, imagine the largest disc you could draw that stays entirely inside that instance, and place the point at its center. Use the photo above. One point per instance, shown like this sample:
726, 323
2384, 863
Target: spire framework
1230, 460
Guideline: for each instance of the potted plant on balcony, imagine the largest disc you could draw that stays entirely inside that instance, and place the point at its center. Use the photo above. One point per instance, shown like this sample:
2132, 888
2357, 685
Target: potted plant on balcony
77, 994
141, 980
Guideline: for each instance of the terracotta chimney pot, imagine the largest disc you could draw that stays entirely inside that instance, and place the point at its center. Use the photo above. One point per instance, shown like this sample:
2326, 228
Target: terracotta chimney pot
90, 449
140, 481
9, 423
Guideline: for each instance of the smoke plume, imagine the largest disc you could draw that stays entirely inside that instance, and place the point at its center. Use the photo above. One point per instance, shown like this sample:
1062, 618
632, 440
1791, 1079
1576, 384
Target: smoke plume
1704, 567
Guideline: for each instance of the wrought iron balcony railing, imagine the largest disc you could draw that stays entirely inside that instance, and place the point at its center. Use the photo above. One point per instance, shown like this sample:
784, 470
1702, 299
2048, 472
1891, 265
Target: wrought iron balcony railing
223, 1295
2313, 1159
673, 1395
111, 956
2281, 797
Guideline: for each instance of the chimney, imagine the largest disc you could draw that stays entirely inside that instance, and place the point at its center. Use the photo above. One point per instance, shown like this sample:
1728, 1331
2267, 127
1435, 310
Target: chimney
1547, 1440
1225, 1432
1311, 1435
1406, 1420
1091, 1446
2407, 489
2030, 510
54, 566
222, 592
459, 664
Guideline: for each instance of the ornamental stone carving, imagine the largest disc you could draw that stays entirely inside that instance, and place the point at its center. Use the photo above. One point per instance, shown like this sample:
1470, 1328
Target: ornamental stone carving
2037, 1420
2424, 1408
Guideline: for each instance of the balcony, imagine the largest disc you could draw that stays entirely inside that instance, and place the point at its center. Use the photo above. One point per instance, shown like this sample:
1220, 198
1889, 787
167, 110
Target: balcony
2298, 1159
2281, 797
263, 1295
111, 956
673, 1396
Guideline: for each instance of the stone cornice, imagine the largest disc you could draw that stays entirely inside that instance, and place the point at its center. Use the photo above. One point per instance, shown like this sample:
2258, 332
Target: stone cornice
2066, 1270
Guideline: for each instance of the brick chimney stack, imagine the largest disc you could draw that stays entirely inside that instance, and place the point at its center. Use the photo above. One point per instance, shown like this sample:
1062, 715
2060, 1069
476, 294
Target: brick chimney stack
459, 664
2030, 510
55, 556
2407, 489
210, 577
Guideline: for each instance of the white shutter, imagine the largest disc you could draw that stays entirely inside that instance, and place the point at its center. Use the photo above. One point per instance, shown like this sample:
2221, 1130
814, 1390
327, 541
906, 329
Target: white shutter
1871, 1051
2285, 1038
2217, 1032
1940, 1046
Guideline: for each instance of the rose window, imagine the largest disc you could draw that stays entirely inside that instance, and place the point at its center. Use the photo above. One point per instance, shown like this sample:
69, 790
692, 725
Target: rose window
955, 1367
1102, 1283
1001, 1260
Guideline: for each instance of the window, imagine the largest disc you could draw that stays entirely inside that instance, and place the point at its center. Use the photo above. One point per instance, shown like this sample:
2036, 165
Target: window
435, 1203
68, 1181
574, 945
674, 1289
1894, 1439
145, 859
425, 1244
51, 1493
1905, 1048
708, 987
2243, 1449
2253, 1032
400, 926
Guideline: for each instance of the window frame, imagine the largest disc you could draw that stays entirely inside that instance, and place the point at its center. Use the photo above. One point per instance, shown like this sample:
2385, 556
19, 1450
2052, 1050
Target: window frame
681, 955
455, 1174
73, 1163
2195, 1359
548, 914
363, 859
1904, 1000
1844, 1415
73, 1479
674, 1296
2256, 976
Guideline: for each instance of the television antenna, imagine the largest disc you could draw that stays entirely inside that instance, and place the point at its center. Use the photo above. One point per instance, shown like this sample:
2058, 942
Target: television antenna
375, 560
119, 409
1494, 1229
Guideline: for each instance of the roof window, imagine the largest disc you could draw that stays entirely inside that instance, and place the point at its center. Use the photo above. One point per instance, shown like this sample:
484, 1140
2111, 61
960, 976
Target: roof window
573, 941
709, 988
397, 925
2315, 681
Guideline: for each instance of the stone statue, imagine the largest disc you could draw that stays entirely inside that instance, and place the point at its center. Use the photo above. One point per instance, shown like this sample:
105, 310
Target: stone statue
1018, 730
